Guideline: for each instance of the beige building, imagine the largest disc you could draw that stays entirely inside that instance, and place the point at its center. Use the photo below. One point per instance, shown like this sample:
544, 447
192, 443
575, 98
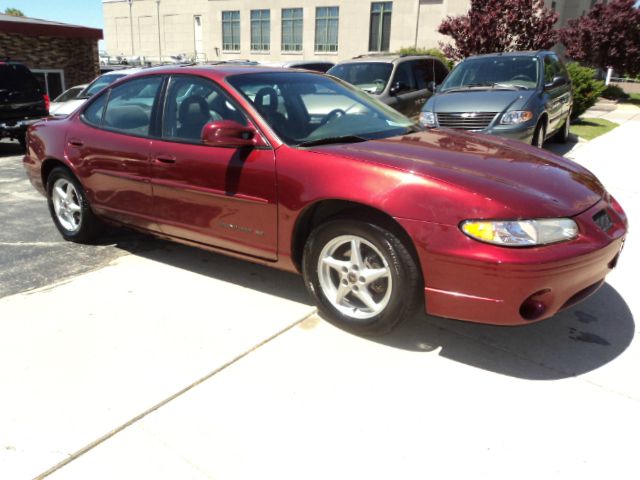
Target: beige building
281, 30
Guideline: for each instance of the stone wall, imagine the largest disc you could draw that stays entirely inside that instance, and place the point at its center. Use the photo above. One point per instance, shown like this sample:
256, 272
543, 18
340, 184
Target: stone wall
77, 57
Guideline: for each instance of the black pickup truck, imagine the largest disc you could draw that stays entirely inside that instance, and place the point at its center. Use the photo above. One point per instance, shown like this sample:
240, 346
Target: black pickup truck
22, 100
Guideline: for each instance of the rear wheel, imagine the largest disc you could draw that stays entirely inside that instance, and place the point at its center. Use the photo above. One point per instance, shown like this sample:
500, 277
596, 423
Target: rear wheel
362, 277
69, 207
539, 134
23, 142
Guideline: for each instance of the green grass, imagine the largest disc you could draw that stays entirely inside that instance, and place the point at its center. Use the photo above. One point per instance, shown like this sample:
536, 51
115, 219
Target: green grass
635, 99
590, 128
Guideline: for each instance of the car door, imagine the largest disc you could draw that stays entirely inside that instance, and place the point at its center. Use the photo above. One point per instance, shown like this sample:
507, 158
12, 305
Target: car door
109, 144
556, 97
218, 196
404, 95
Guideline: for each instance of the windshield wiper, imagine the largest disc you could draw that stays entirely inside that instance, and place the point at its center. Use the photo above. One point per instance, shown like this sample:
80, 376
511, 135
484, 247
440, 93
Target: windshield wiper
330, 140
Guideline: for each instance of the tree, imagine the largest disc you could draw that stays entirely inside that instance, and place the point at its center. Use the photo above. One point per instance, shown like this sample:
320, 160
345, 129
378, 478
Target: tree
14, 12
607, 36
500, 26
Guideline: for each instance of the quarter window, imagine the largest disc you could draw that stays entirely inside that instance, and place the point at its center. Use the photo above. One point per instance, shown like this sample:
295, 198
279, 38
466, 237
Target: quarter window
130, 106
291, 29
191, 103
260, 30
380, 26
231, 31
327, 29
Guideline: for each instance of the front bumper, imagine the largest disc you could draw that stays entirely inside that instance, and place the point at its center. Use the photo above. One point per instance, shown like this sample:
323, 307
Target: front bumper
469, 280
523, 133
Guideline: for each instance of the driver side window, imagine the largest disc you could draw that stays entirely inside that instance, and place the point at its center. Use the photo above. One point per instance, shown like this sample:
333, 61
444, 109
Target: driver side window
192, 102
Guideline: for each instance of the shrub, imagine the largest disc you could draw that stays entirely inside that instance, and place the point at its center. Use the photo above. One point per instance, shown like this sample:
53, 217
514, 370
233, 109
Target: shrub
586, 89
434, 52
614, 92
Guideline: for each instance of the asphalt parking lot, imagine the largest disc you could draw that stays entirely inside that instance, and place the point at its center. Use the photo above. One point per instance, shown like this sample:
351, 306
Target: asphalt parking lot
137, 358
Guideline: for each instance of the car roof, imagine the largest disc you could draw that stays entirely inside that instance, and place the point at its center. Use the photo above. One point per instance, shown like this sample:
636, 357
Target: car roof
525, 53
218, 71
387, 58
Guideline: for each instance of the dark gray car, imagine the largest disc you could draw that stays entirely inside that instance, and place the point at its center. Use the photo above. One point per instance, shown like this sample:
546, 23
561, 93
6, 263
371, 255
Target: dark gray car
521, 95
400, 81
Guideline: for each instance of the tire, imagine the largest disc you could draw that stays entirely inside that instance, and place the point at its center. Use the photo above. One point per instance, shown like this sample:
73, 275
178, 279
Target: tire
69, 207
539, 135
371, 303
562, 135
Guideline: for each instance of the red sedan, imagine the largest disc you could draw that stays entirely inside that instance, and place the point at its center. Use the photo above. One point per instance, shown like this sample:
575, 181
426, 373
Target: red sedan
302, 172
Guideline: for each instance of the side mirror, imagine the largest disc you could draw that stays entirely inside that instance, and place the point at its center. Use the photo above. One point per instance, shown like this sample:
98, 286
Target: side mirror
557, 82
398, 87
229, 133
432, 87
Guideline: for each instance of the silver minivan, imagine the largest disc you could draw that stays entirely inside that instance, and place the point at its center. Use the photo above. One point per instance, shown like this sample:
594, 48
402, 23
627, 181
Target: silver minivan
400, 81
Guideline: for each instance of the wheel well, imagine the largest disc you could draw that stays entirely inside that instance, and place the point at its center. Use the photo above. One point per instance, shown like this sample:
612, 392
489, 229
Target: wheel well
47, 166
326, 210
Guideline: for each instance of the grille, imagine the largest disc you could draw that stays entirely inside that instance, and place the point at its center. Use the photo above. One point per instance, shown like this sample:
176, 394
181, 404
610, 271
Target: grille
466, 120
603, 220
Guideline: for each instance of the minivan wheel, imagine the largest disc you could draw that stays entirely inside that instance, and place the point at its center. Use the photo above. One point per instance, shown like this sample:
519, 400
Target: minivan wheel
69, 207
538, 135
361, 276
562, 135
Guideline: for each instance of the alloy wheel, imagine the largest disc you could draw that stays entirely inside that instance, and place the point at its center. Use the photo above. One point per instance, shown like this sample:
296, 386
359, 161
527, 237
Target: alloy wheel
355, 277
66, 204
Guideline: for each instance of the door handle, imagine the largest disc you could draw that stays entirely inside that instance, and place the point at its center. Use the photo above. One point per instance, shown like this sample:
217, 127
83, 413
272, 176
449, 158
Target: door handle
165, 159
75, 142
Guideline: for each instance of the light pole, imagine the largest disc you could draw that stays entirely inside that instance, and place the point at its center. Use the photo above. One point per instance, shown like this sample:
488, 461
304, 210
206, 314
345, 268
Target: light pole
159, 41
131, 25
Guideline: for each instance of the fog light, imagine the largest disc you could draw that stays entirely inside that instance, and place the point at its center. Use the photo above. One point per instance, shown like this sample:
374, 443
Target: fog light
534, 306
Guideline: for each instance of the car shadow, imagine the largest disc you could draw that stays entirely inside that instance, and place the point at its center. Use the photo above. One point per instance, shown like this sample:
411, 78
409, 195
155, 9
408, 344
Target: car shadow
220, 267
575, 341
562, 148
10, 149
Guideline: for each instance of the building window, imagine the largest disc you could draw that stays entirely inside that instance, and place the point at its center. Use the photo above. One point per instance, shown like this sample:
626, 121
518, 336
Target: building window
380, 26
260, 30
553, 6
327, 29
231, 31
291, 29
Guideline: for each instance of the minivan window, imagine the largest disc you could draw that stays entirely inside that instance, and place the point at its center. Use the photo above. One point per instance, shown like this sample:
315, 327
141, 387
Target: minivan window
130, 106
372, 77
517, 72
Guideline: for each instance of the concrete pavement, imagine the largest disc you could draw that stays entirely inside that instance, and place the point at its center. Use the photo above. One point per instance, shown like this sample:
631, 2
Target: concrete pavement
178, 364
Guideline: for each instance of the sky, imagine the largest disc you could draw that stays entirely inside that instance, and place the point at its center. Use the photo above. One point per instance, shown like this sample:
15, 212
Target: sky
88, 14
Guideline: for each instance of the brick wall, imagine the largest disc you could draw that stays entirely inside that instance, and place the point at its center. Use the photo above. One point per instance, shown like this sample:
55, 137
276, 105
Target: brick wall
77, 57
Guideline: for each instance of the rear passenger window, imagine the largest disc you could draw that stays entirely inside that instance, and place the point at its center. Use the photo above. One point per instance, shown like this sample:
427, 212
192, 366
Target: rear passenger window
130, 106
93, 113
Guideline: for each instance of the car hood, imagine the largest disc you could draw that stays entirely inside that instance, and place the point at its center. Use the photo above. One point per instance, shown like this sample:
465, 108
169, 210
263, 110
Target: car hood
509, 179
479, 101
65, 108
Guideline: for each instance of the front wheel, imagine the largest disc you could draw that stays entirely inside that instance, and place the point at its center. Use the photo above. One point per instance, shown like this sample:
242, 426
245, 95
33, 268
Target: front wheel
539, 135
69, 207
562, 135
362, 277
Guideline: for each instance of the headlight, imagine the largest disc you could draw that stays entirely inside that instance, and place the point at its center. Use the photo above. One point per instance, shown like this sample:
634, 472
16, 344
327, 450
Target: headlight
428, 119
521, 233
516, 117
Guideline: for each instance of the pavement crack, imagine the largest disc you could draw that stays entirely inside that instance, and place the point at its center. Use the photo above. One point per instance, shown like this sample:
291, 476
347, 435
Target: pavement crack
169, 399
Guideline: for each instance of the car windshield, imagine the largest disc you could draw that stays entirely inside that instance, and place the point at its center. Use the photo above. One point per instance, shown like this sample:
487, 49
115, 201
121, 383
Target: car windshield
306, 108
98, 84
372, 77
494, 72
68, 95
